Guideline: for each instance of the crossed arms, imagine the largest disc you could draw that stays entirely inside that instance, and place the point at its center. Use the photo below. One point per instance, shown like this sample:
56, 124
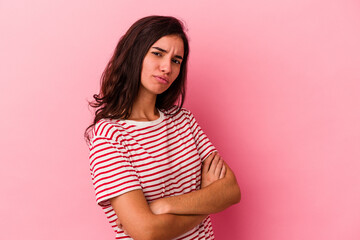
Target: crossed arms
170, 217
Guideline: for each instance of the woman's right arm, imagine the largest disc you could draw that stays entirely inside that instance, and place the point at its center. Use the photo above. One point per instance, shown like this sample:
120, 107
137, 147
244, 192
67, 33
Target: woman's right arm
115, 180
140, 223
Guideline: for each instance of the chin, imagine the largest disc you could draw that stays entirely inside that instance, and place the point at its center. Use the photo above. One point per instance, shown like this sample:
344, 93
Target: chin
155, 89
159, 91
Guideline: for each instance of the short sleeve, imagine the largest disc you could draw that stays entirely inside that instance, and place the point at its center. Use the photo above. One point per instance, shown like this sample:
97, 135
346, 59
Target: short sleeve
203, 144
112, 173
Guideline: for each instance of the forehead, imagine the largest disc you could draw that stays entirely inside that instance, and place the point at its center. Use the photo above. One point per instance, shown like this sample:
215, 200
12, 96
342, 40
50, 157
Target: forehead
171, 43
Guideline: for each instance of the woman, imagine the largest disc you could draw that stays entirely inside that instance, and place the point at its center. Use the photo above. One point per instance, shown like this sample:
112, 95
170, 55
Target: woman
156, 174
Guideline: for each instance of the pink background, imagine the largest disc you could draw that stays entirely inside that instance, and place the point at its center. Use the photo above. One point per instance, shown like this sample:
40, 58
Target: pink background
274, 84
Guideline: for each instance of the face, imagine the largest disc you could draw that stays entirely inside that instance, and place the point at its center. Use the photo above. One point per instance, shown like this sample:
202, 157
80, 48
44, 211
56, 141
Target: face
161, 64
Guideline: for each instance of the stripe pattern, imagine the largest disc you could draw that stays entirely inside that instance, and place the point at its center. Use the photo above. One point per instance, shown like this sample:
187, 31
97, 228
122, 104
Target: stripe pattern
162, 158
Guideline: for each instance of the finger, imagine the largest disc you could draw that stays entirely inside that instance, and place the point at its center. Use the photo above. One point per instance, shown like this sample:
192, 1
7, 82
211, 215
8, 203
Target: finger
207, 162
223, 171
118, 222
214, 163
218, 168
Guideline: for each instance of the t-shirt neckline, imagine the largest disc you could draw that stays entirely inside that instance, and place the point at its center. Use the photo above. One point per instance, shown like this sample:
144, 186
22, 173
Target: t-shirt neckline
145, 123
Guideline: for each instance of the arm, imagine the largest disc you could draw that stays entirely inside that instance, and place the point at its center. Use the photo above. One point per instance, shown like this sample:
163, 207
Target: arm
136, 217
109, 168
161, 223
212, 198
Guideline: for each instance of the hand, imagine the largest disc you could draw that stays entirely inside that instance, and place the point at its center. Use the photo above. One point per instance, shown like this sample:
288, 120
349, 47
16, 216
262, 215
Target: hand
212, 170
118, 223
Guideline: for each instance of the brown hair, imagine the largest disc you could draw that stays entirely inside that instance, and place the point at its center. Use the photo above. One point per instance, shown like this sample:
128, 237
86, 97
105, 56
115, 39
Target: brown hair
120, 80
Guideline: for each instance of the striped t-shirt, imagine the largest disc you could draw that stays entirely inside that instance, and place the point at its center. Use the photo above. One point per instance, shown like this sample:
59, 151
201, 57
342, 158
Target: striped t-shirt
161, 157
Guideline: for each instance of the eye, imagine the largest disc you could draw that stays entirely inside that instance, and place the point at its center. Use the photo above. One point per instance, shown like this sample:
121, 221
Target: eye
156, 54
176, 61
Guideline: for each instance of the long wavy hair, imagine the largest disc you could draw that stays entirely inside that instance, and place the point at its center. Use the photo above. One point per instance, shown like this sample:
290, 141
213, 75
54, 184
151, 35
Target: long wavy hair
120, 80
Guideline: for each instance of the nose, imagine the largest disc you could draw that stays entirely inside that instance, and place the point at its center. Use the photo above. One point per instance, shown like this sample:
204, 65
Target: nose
165, 66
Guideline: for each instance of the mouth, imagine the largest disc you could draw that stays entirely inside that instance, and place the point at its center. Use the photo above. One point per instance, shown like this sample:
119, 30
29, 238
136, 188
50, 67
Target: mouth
162, 79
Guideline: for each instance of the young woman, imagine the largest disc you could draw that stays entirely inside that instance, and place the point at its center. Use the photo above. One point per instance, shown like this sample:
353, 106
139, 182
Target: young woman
156, 175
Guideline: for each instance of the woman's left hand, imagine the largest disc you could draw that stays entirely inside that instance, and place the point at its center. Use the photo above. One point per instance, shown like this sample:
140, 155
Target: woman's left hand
212, 170
118, 223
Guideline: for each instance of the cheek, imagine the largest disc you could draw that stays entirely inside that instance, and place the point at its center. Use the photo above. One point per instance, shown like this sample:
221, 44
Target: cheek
147, 65
176, 72
144, 68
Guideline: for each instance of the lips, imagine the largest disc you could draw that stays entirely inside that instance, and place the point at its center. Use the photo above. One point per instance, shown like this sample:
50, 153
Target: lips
162, 79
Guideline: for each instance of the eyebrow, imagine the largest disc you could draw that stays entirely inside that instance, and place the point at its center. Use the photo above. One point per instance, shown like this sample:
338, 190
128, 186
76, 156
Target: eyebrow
162, 50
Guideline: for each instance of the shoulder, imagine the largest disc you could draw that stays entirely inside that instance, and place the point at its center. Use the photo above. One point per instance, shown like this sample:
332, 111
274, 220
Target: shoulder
178, 112
106, 128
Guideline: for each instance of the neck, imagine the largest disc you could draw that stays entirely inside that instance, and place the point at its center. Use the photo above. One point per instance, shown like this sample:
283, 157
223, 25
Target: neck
143, 109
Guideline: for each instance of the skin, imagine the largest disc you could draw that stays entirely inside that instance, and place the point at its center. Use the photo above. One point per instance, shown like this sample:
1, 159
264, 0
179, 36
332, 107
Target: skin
170, 217
219, 190
157, 63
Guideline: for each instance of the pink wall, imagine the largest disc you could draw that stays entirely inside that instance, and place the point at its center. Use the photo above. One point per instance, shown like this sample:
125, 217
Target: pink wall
275, 85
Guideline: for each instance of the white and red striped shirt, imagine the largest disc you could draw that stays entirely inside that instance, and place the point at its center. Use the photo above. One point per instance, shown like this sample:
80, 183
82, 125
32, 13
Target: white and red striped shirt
161, 157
